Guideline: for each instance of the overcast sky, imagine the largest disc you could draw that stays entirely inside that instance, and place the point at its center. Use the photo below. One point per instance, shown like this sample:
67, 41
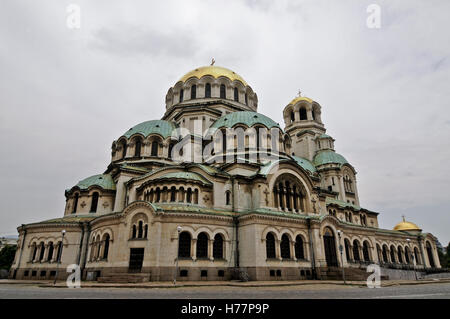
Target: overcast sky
66, 94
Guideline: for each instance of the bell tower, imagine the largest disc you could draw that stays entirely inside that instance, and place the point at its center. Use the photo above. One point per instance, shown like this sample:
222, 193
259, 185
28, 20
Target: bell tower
302, 117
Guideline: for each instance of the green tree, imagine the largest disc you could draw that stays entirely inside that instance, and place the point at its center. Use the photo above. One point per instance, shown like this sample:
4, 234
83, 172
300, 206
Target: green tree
7, 256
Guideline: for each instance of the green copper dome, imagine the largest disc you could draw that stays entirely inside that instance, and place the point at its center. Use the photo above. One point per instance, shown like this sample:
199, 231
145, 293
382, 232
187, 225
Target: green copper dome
163, 128
104, 181
329, 157
246, 118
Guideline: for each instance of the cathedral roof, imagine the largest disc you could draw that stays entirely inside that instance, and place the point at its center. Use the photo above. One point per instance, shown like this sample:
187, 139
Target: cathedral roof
190, 176
104, 181
161, 127
246, 118
328, 157
214, 71
304, 163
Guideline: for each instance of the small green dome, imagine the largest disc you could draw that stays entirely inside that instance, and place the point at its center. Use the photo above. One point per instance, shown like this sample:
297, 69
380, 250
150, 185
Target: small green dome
246, 118
163, 128
104, 181
329, 157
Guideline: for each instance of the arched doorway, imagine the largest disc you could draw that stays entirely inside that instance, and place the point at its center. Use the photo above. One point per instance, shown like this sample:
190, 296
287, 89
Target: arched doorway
330, 248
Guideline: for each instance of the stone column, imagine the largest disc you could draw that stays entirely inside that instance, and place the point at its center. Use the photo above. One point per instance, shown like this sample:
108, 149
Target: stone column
194, 249
277, 249
210, 249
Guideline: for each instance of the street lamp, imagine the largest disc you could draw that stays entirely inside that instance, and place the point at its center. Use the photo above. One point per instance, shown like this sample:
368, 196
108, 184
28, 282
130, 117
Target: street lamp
412, 257
178, 251
340, 250
63, 232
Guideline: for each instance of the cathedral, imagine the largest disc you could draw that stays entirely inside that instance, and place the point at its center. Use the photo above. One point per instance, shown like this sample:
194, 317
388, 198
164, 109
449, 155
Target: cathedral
215, 190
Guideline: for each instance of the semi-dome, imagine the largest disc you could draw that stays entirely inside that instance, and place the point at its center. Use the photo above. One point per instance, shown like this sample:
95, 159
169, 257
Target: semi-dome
407, 226
244, 117
214, 71
329, 157
104, 181
160, 127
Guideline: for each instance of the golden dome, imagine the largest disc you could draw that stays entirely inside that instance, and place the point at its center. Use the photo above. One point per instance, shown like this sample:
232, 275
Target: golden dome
300, 98
214, 71
408, 226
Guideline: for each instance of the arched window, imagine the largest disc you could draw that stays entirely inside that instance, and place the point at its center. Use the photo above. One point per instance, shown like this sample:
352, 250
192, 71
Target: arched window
75, 203
407, 255
218, 247
223, 92
106, 248
189, 195
124, 149
347, 250
193, 92
208, 90
50, 251
313, 114
137, 148
202, 246
299, 250
140, 229
42, 251
416, 256
154, 151
385, 254
236, 94
134, 232
270, 246
246, 99
393, 259
59, 253
292, 117
228, 197
173, 194
94, 202
145, 231
285, 248
400, 254
430, 254
181, 95
33, 257
303, 115
184, 245
289, 193
366, 253
158, 195
356, 251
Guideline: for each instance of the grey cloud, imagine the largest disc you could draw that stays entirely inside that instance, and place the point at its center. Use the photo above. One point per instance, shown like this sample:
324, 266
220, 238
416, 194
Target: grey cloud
131, 40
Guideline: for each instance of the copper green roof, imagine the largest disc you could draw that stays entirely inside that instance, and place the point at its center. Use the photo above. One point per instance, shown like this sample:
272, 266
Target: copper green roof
305, 164
104, 181
244, 117
342, 204
163, 128
325, 136
328, 157
189, 176
70, 219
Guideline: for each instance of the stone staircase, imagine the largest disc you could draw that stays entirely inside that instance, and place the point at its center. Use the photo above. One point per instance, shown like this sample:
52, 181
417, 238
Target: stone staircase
125, 278
351, 274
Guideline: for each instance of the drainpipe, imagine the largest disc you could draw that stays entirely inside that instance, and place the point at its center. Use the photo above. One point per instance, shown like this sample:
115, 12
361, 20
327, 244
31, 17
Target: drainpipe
311, 248
236, 226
